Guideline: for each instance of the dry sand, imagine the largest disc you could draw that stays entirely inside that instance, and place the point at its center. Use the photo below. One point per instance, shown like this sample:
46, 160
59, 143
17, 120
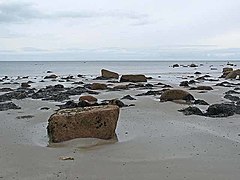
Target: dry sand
155, 141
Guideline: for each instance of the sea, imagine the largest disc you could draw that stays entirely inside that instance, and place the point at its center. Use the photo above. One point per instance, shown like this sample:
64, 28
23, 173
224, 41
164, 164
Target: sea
159, 69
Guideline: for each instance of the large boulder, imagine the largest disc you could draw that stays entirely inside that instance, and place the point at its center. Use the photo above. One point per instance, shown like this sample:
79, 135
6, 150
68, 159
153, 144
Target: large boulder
176, 94
133, 78
233, 74
109, 74
88, 122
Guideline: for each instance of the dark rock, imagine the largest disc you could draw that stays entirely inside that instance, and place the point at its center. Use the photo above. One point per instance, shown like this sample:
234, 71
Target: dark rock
231, 97
193, 65
201, 88
49, 72
7, 106
52, 76
44, 108
68, 104
200, 102
184, 83
133, 78
192, 82
150, 93
197, 73
116, 102
191, 111
220, 110
5, 89
128, 97
175, 65
232, 92
25, 85
25, 117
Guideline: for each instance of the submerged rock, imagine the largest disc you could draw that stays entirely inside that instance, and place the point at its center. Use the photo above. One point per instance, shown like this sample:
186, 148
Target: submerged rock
176, 94
90, 122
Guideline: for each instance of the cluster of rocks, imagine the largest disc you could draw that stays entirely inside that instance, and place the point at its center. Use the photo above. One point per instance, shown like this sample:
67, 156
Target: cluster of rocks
214, 110
229, 73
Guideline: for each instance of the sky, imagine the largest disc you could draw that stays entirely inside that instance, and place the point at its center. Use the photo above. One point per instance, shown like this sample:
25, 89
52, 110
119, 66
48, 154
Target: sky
119, 29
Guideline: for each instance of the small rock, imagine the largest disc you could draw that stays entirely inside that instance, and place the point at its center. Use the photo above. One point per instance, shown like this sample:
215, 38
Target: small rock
191, 111
128, 97
200, 102
7, 106
65, 158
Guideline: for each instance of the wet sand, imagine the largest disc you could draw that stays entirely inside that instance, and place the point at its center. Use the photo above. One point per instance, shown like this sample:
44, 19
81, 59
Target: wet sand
155, 141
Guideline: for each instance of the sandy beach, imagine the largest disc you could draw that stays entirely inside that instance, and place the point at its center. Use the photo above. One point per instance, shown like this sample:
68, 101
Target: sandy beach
155, 141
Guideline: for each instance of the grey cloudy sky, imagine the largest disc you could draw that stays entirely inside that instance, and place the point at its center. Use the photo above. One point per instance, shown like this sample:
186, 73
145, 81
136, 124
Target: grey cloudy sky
132, 29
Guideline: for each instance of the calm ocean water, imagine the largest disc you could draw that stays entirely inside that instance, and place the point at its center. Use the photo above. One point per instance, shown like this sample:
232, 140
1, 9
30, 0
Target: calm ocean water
92, 68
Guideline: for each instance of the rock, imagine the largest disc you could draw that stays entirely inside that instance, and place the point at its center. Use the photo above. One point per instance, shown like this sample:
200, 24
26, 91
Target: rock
233, 74
175, 65
25, 117
232, 92
150, 93
176, 94
192, 82
44, 108
89, 99
109, 74
66, 158
120, 87
116, 102
220, 110
184, 84
5, 89
227, 69
25, 85
197, 73
68, 104
231, 97
200, 102
52, 76
213, 69
133, 78
98, 86
128, 97
193, 65
49, 72
201, 88
7, 106
191, 111
89, 122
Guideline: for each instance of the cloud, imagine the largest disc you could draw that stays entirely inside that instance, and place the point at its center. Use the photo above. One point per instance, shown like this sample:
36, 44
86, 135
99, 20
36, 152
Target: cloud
25, 12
